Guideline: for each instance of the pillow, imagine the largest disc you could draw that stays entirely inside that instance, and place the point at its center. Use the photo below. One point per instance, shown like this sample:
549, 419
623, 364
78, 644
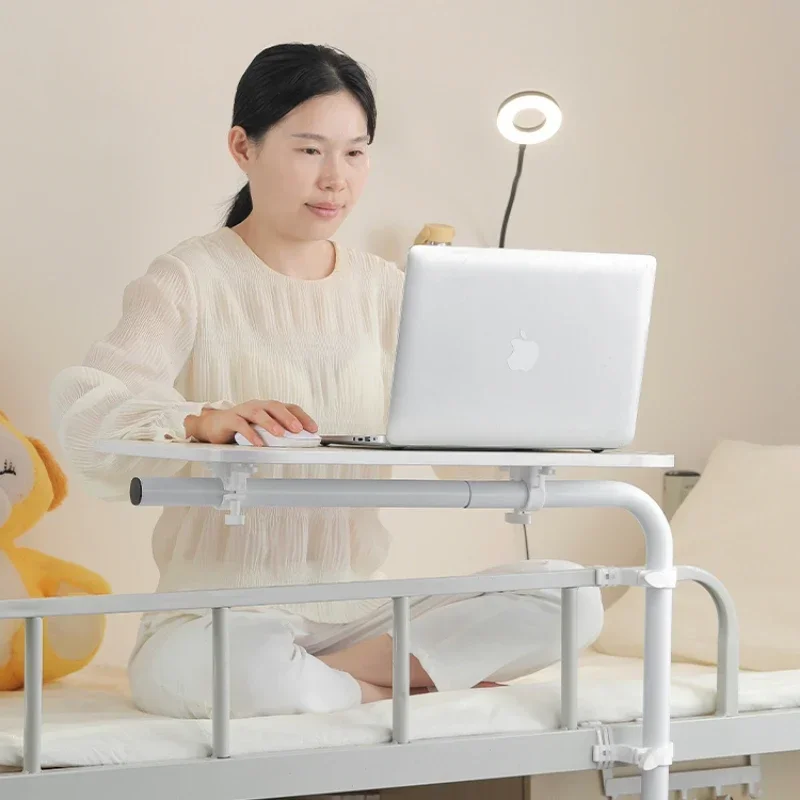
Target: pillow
739, 522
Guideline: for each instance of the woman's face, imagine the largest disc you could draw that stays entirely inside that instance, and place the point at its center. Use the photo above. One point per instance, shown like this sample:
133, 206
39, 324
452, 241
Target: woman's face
310, 169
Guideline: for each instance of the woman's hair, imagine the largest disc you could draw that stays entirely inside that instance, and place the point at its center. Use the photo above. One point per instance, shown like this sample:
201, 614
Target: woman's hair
278, 80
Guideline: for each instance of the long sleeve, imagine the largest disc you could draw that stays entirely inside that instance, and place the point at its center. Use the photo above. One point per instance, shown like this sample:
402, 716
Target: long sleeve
125, 387
211, 324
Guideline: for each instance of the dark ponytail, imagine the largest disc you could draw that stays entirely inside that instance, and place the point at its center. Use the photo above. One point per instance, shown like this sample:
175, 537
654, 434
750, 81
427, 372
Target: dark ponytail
283, 77
240, 208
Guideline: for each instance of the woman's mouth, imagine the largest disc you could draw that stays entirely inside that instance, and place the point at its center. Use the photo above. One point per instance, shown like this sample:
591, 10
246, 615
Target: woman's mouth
325, 211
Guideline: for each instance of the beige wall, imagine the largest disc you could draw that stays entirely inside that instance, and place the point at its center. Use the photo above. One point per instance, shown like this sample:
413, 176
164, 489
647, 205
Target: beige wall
679, 139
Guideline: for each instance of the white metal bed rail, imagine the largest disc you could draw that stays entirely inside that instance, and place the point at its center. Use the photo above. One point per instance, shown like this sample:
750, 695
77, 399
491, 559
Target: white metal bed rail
234, 489
220, 601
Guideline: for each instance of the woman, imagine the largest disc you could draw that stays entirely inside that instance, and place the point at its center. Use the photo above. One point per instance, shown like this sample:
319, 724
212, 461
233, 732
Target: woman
268, 307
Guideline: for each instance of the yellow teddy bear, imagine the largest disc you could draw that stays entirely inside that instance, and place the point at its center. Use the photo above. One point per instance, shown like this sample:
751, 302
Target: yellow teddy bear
31, 484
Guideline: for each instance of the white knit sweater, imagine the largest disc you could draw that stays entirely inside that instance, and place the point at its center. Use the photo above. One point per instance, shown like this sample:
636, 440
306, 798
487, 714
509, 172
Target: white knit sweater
210, 323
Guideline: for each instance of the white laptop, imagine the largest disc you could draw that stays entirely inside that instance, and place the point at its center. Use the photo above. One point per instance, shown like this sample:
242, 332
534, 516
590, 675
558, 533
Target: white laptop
518, 349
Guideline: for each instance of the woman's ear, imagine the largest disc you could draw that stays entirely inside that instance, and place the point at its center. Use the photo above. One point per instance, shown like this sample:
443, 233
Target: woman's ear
57, 477
240, 147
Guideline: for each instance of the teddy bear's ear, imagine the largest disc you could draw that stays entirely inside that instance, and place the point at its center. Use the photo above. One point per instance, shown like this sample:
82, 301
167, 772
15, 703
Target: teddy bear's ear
57, 477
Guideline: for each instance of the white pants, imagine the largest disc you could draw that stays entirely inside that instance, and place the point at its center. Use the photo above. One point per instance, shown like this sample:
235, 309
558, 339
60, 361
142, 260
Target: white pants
459, 641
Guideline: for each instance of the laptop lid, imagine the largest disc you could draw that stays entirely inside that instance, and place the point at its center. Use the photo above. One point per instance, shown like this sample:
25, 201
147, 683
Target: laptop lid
501, 348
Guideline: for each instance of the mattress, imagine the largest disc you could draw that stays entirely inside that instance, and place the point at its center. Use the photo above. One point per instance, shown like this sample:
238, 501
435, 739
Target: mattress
89, 719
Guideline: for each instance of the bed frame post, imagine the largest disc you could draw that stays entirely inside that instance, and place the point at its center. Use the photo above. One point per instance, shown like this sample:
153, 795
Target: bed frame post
401, 669
221, 707
728, 639
32, 737
657, 679
569, 659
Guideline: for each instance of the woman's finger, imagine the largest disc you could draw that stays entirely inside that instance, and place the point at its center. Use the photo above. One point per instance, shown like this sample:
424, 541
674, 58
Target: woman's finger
279, 412
305, 419
241, 425
260, 417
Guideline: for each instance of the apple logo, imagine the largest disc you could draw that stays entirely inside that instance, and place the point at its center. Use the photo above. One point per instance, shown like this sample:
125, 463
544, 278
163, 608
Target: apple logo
524, 353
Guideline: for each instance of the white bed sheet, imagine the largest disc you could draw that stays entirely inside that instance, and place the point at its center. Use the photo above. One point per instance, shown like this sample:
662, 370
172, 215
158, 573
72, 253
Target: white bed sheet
89, 719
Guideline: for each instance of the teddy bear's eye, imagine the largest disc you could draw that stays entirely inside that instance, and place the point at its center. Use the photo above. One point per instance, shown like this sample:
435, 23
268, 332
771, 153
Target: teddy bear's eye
8, 468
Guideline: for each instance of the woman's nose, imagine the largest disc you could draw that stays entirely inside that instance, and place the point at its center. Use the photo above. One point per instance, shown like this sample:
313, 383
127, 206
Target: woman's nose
333, 183
332, 179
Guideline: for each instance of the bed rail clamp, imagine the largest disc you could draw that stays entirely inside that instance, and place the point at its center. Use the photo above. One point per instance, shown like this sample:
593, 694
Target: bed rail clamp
606, 754
234, 482
636, 576
533, 478
684, 781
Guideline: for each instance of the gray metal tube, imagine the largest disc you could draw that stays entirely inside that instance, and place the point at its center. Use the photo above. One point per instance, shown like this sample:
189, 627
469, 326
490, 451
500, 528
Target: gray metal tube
615, 494
32, 736
401, 669
331, 493
299, 593
497, 494
569, 659
658, 606
728, 639
221, 706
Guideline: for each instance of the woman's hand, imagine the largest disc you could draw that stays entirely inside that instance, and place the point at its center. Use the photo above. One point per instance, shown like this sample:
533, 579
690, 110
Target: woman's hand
219, 426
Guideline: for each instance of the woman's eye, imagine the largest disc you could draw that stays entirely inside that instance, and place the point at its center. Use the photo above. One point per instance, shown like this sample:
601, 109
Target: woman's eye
356, 153
310, 150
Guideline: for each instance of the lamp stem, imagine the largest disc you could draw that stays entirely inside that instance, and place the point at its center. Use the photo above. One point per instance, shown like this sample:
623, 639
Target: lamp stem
520, 159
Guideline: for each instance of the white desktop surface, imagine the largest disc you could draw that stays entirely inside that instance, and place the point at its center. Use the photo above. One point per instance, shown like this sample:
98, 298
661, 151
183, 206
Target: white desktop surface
238, 454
